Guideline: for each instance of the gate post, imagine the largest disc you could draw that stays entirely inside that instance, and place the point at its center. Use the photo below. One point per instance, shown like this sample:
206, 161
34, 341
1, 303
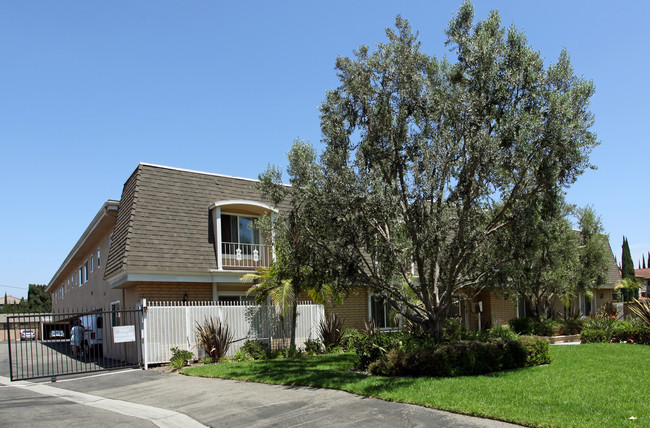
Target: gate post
145, 353
11, 366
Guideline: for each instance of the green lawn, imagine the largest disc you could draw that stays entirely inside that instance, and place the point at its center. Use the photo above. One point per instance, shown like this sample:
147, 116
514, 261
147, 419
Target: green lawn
586, 385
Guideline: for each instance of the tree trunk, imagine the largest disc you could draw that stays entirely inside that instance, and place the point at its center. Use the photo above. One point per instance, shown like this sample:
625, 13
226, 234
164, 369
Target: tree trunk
294, 316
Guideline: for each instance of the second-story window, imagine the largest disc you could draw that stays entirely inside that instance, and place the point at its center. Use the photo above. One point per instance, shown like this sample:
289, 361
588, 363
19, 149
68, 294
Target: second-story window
86, 271
239, 230
99, 259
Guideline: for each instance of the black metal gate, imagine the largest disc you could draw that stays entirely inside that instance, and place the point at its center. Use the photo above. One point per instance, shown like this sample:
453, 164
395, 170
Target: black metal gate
40, 344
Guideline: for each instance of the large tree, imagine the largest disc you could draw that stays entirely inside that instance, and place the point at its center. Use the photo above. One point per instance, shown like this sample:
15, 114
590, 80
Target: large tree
426, 160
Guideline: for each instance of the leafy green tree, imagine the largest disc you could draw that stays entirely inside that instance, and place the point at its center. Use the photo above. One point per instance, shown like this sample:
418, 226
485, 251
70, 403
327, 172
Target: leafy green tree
539, 259
296, 268
426, 161
38, 300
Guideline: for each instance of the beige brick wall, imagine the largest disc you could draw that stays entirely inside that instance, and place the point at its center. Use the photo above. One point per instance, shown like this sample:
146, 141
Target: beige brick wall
174, 292
354, 310
502, 309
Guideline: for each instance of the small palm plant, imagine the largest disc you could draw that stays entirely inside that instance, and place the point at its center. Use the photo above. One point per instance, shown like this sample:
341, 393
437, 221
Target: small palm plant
215, 337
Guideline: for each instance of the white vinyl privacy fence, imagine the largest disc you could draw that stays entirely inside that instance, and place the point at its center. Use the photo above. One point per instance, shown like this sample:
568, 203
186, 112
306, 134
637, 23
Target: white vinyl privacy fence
173, 324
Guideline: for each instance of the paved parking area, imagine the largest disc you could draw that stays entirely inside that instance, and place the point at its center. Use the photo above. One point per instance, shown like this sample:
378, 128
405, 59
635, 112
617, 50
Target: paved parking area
115, 398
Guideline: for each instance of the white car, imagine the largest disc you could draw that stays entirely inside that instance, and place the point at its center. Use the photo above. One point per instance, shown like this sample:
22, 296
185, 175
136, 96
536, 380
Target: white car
27, 335
57, 334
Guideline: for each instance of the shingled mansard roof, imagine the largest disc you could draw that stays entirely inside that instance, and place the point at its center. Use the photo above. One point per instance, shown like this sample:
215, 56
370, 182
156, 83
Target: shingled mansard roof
613, 273
164, 223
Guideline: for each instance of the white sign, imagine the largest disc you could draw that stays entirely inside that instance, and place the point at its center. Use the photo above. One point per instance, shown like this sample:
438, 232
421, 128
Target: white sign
123, 334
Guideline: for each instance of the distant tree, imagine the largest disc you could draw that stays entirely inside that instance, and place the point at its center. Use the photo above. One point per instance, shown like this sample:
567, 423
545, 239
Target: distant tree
643, 257
544, 259
38, 300
627, 270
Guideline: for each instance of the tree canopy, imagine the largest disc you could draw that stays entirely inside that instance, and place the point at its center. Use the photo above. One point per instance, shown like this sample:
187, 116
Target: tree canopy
427, 161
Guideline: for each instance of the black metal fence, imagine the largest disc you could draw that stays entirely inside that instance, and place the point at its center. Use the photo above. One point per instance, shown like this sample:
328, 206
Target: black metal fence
40, 344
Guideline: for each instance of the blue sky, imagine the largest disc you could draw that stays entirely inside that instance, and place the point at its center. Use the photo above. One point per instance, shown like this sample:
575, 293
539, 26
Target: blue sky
90, 89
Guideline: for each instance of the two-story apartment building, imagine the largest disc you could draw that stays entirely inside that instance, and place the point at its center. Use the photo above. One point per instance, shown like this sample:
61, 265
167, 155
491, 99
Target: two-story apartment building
175, 235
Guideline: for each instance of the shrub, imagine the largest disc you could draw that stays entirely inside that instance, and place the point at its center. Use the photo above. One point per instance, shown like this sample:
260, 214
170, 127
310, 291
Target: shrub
522, 325
371, 347
331, 330
453, 331
537, 350
241, 355
464, 358
313, 347
179, 358
572, 326
215, 337
627, 332
501, 333
257, 350
291, 352
606, 324
589, 335
607, 310
546, 327
351, 337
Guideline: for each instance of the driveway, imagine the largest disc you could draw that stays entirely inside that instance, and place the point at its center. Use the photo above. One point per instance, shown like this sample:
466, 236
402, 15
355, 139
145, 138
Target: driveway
158, 398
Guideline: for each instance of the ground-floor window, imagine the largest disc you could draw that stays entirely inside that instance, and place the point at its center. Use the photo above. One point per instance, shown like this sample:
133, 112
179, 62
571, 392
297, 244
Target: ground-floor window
235, 298
381, 312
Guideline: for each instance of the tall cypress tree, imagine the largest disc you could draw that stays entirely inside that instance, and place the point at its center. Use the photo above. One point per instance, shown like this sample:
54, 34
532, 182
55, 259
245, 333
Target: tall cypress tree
643, 257
627, 268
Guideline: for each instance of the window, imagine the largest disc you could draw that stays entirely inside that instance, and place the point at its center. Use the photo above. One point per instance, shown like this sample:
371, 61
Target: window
92, 263
116, 314
81, 275
239, 229
380, 312
99, 259
86, 271
235, 299
521, 307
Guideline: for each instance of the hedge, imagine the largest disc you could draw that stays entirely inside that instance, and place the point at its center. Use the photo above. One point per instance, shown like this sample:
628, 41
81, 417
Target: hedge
464, 358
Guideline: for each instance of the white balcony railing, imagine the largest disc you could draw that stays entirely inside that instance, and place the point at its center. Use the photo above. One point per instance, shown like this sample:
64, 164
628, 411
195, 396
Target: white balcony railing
245, 256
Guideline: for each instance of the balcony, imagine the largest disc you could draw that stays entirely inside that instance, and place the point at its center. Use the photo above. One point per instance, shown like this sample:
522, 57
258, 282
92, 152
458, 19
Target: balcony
245, 256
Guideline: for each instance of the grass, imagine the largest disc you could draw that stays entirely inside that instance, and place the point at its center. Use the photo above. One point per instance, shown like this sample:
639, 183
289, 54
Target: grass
586, 385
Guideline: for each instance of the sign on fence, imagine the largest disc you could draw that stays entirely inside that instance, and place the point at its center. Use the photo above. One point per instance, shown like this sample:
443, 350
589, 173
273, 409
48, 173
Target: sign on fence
123, 334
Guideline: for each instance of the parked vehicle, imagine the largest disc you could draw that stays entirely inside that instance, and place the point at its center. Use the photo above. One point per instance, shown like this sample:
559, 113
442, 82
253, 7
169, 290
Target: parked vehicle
57, 334
27, 335
93, 325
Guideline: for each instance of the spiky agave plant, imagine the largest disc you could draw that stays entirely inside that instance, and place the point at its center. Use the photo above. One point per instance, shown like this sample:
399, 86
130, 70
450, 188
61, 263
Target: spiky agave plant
215, 337
642, 309
331, 330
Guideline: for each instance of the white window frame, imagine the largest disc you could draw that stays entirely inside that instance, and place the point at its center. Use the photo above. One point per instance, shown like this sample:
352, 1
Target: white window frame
387, 307
250, 216
116, 306
81, 276
92, 264
99, 259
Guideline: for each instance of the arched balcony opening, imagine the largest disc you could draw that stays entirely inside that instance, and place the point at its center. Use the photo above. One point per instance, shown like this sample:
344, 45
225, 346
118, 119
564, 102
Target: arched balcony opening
239, 243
